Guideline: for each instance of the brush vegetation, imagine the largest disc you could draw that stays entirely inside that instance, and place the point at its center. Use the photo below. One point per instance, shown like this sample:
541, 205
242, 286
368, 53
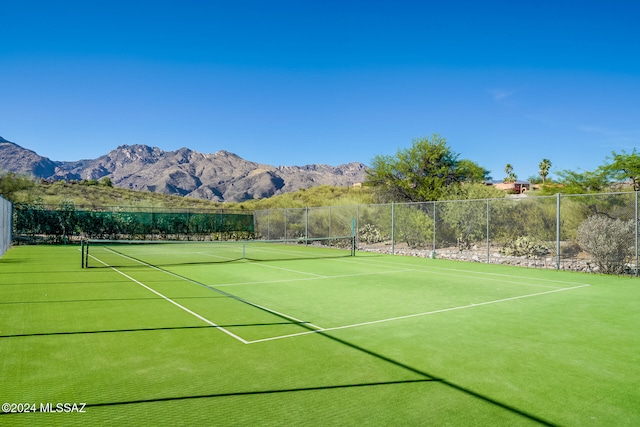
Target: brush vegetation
99, 194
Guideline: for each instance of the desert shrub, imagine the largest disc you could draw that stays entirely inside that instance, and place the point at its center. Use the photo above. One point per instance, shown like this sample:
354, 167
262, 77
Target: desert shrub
378, 217
534, 218
368, 233
463, 221
611, 242
570, 249
524, 246
413, 225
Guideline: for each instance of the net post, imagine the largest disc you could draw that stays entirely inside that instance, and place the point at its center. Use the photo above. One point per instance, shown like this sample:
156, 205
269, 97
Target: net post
82, 252
353, 246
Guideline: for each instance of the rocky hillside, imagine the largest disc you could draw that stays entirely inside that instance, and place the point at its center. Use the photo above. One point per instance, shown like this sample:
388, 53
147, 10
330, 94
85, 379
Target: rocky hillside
14, 158
222, 176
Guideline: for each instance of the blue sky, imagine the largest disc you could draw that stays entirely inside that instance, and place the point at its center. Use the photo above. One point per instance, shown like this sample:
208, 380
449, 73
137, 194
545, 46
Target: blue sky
301, 82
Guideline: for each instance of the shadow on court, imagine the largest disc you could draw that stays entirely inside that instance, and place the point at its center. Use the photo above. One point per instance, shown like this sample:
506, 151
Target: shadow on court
169, 328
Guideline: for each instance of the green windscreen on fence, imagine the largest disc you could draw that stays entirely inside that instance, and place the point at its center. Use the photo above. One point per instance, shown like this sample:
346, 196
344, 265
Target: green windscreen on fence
6, 215
597, 233
53, 225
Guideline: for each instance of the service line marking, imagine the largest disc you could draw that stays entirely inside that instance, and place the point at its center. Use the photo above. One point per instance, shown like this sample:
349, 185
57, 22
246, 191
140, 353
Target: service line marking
182, 307
518, 280
186, 279
338, 276
391, 319
319, 329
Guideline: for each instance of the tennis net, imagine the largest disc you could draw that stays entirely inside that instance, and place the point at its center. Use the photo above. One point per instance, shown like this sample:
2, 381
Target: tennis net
131, 253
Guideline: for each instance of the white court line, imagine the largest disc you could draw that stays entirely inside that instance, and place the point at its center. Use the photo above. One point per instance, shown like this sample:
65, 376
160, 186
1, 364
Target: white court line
429, 268
339, 276
391, 319
193, 313
319, 276
277, 313
320, 329
186, 279
266, 265
491, 279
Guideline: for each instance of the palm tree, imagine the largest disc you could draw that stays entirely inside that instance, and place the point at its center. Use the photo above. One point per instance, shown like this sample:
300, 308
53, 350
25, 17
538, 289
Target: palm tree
511, 177
544, 166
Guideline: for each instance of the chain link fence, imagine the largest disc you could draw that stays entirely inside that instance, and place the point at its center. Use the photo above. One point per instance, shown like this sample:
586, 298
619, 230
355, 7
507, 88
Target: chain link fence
590, 232
67, 223
6, 225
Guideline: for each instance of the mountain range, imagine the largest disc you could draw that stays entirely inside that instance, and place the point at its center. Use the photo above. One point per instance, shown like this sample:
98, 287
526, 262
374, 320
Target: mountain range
221, 176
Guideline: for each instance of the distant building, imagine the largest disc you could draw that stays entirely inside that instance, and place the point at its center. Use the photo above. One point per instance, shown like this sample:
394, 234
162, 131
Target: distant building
517, 187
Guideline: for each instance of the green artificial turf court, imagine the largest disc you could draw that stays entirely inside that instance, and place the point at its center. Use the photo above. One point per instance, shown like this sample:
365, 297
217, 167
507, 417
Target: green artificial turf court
166, 338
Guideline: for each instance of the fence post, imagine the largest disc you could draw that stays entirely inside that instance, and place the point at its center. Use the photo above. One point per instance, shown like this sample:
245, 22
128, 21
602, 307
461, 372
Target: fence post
357, 225
306, 225
558, 232
636, 221
393, 223
488, 239
433, 254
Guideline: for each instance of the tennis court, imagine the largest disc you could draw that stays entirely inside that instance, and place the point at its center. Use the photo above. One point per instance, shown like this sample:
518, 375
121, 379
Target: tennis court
308, 335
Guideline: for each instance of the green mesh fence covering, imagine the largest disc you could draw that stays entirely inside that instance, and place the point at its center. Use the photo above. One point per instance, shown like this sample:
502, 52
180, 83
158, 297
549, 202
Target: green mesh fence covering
64, 224
6, 215
588, 232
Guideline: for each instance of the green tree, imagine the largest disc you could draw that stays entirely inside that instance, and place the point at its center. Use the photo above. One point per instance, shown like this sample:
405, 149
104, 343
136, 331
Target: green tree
544, 166
421, 172
511, 177
623, 166
573, 182
535, 179
471, 172
106, 181
473, 191
11, 183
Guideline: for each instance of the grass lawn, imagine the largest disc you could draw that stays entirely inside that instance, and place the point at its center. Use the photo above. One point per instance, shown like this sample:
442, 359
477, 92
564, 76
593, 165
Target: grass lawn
365, 340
